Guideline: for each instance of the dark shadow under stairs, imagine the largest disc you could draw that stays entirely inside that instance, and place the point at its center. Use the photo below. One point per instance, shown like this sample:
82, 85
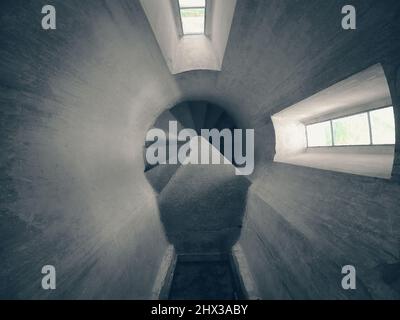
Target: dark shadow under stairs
196, 278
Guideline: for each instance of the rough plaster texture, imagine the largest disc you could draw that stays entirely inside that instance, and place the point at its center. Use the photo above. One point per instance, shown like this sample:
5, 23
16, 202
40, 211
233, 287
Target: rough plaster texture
297, 239
75, 106
293, 51
202, 208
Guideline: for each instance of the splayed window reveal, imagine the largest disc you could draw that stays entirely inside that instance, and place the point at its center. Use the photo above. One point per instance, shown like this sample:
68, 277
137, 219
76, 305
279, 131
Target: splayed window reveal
187, 147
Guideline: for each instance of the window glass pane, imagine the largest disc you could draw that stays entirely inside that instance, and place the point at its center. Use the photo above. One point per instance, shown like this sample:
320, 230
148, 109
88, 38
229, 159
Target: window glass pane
319, 135
382, 126
353, 130
192, 3
192, 21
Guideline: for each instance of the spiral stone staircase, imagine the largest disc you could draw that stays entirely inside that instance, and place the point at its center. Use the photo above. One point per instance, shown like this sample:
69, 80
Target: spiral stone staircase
201, 207
194, 115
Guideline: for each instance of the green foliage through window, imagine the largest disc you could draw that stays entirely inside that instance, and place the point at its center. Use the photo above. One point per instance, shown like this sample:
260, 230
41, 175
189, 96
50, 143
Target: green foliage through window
376, 127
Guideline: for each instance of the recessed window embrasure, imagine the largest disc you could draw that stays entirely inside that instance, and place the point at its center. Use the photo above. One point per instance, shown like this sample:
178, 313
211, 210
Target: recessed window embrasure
193, 16
375, 127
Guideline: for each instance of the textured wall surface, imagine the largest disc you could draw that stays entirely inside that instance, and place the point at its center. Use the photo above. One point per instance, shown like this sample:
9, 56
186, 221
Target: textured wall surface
302, 228
279, 53
303, 224
202, 208
75, 107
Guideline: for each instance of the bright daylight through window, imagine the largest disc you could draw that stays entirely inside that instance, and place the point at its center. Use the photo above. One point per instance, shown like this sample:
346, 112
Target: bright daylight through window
193, 15
374, 127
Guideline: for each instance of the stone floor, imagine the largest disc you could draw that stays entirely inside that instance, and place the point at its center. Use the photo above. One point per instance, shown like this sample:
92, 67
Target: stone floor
203, 280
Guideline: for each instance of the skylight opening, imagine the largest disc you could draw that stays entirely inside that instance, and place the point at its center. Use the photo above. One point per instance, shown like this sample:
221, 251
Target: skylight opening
374, 127
193, 16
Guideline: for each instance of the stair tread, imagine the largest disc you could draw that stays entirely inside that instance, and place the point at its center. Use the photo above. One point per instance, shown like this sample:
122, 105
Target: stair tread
164, 120
225, 122
149, 167
199, 110
182, 113
212, 117
160, 175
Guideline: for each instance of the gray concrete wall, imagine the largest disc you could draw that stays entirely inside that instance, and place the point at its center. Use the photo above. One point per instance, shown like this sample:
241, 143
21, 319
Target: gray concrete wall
308, 222
75, 107
281, 52
304, 224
